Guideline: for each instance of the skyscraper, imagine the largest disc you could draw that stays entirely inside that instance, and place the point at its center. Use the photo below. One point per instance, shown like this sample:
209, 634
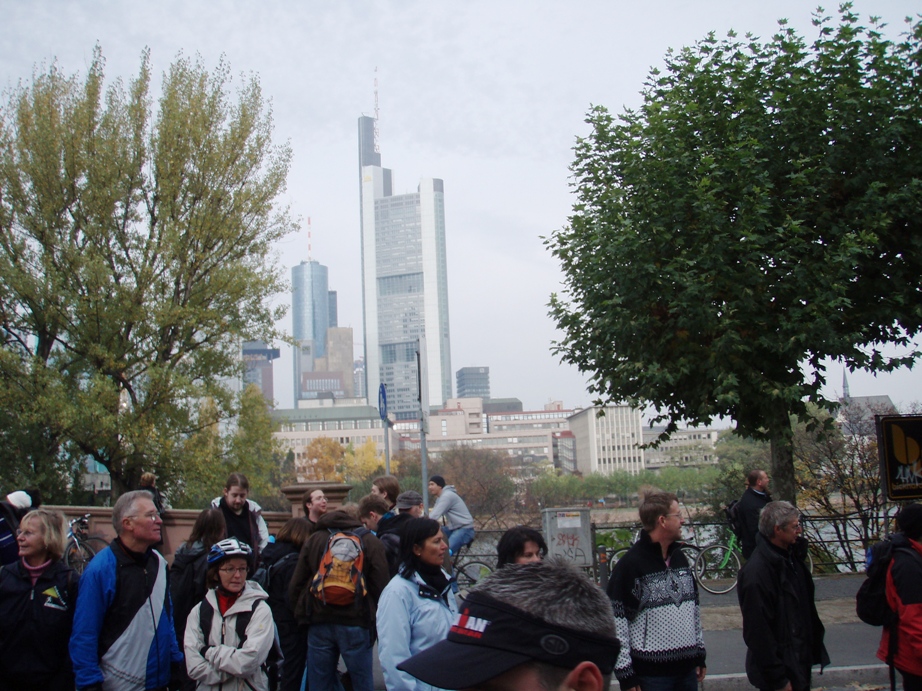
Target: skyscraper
310, 311
404, 283
257, 358
473, 382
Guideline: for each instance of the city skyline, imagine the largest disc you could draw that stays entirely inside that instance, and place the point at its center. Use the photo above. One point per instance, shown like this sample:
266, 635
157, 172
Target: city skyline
493, 112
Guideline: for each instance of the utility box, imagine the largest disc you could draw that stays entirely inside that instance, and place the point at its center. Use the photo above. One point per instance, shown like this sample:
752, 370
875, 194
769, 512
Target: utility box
569, 535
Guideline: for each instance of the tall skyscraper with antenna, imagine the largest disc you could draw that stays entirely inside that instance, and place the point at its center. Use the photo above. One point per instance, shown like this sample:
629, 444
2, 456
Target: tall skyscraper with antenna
404, 282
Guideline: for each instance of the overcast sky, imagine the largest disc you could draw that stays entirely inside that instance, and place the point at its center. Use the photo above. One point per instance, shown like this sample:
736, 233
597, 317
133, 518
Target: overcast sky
487, 95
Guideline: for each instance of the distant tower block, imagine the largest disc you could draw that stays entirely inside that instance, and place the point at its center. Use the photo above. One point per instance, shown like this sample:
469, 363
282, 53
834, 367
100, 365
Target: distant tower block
473, 382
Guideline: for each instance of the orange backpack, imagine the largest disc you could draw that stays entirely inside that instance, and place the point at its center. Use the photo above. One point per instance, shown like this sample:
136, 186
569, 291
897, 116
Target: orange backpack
340, 579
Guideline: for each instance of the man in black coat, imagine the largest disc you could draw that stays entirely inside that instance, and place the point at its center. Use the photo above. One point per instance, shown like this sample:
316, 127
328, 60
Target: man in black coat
751, 503
781, 627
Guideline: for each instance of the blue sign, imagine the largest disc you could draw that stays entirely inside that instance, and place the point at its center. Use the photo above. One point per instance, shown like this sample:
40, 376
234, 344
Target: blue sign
382, 401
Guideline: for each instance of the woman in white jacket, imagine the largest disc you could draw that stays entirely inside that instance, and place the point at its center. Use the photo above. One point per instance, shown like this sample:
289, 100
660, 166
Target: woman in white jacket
219, 655
417, 607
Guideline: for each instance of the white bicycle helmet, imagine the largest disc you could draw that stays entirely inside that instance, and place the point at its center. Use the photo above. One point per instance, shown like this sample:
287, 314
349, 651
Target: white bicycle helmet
229, 547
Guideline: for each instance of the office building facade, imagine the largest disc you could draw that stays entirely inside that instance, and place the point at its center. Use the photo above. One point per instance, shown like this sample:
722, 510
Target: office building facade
473, 382
404, 285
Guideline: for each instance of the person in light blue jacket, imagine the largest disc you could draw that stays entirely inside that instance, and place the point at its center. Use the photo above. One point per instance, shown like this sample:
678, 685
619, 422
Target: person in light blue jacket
417, 608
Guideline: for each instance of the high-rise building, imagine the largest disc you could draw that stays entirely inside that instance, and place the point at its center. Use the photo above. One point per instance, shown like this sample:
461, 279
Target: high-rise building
310, 311
608, 439
473, 382
404, 283
257, 359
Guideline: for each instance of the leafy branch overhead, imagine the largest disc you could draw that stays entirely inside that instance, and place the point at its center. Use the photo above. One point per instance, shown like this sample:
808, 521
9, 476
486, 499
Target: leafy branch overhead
135, 255
756, 216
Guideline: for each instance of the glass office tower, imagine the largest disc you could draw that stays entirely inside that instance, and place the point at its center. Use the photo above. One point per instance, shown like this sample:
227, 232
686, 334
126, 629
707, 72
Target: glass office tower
404, 284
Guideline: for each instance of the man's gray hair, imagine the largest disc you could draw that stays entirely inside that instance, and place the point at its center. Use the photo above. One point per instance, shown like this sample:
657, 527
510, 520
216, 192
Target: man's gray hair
776, 514
555, 591
124, 507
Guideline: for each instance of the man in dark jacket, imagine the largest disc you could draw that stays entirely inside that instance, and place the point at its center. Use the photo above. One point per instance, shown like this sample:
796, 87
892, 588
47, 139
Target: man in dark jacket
345, 629
781, 627
751, 503
390, 530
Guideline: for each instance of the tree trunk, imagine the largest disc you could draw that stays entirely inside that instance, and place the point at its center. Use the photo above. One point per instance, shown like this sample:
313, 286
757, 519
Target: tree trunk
782, 441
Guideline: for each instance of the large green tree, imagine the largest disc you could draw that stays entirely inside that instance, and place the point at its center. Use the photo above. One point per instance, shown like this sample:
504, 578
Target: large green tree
135, 256
756, 216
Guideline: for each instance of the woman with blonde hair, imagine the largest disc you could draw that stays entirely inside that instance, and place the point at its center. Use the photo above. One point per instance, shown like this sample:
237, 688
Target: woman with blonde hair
37, 598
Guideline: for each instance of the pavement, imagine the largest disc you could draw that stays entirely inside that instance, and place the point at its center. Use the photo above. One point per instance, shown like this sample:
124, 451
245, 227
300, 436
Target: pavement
852, 645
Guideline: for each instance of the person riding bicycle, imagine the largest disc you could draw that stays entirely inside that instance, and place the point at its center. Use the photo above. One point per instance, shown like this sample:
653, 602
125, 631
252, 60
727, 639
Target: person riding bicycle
459, 524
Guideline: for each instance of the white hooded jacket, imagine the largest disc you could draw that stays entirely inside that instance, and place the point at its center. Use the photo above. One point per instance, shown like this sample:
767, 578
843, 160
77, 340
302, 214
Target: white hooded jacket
224, 666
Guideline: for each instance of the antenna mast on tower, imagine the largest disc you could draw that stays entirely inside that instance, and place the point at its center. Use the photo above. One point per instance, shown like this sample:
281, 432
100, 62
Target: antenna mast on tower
377, 133
309, 257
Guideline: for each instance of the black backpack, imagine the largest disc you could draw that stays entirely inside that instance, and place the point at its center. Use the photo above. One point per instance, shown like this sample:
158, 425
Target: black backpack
263, 574
273, 664
187, 587
871, 600
734, 518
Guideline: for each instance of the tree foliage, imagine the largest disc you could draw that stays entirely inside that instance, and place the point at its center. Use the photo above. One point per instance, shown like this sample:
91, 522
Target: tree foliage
325, 461
758, 215
246, 445
838, 473
135, 256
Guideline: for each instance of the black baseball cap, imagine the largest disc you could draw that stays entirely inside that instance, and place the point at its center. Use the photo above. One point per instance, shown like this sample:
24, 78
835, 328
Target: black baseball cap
490, 637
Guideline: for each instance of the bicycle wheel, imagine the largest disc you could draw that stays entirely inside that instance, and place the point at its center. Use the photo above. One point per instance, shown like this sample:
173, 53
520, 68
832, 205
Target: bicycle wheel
614, 556
691, 554
716, 569
77, 555
469, 573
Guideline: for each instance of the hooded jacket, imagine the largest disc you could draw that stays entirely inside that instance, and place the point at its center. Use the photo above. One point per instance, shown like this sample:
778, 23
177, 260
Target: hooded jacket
258, 529
780, 648
307, 609
36, 627
904, 595
453, 508
412, 616
218, 664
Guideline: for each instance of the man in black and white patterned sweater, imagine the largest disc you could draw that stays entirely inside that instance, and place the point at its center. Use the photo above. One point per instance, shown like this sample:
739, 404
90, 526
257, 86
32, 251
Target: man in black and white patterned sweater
655, 599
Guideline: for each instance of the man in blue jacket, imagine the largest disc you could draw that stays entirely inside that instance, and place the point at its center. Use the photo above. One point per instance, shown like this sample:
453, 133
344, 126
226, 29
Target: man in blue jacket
128, 643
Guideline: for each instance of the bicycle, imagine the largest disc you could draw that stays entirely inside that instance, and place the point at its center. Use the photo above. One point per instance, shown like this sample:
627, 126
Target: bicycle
717, 567
468, 573
79, 548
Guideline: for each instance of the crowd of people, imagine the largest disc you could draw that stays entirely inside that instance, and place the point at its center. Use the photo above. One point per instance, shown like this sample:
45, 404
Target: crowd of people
235, 601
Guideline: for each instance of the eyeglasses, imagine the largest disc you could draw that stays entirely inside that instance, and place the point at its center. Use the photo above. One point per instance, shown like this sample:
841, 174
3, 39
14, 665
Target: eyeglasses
677, 515
153, 516
26, 533
231, 571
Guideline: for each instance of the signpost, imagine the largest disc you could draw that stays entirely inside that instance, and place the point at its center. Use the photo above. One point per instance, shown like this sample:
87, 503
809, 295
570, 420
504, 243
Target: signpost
899, 445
